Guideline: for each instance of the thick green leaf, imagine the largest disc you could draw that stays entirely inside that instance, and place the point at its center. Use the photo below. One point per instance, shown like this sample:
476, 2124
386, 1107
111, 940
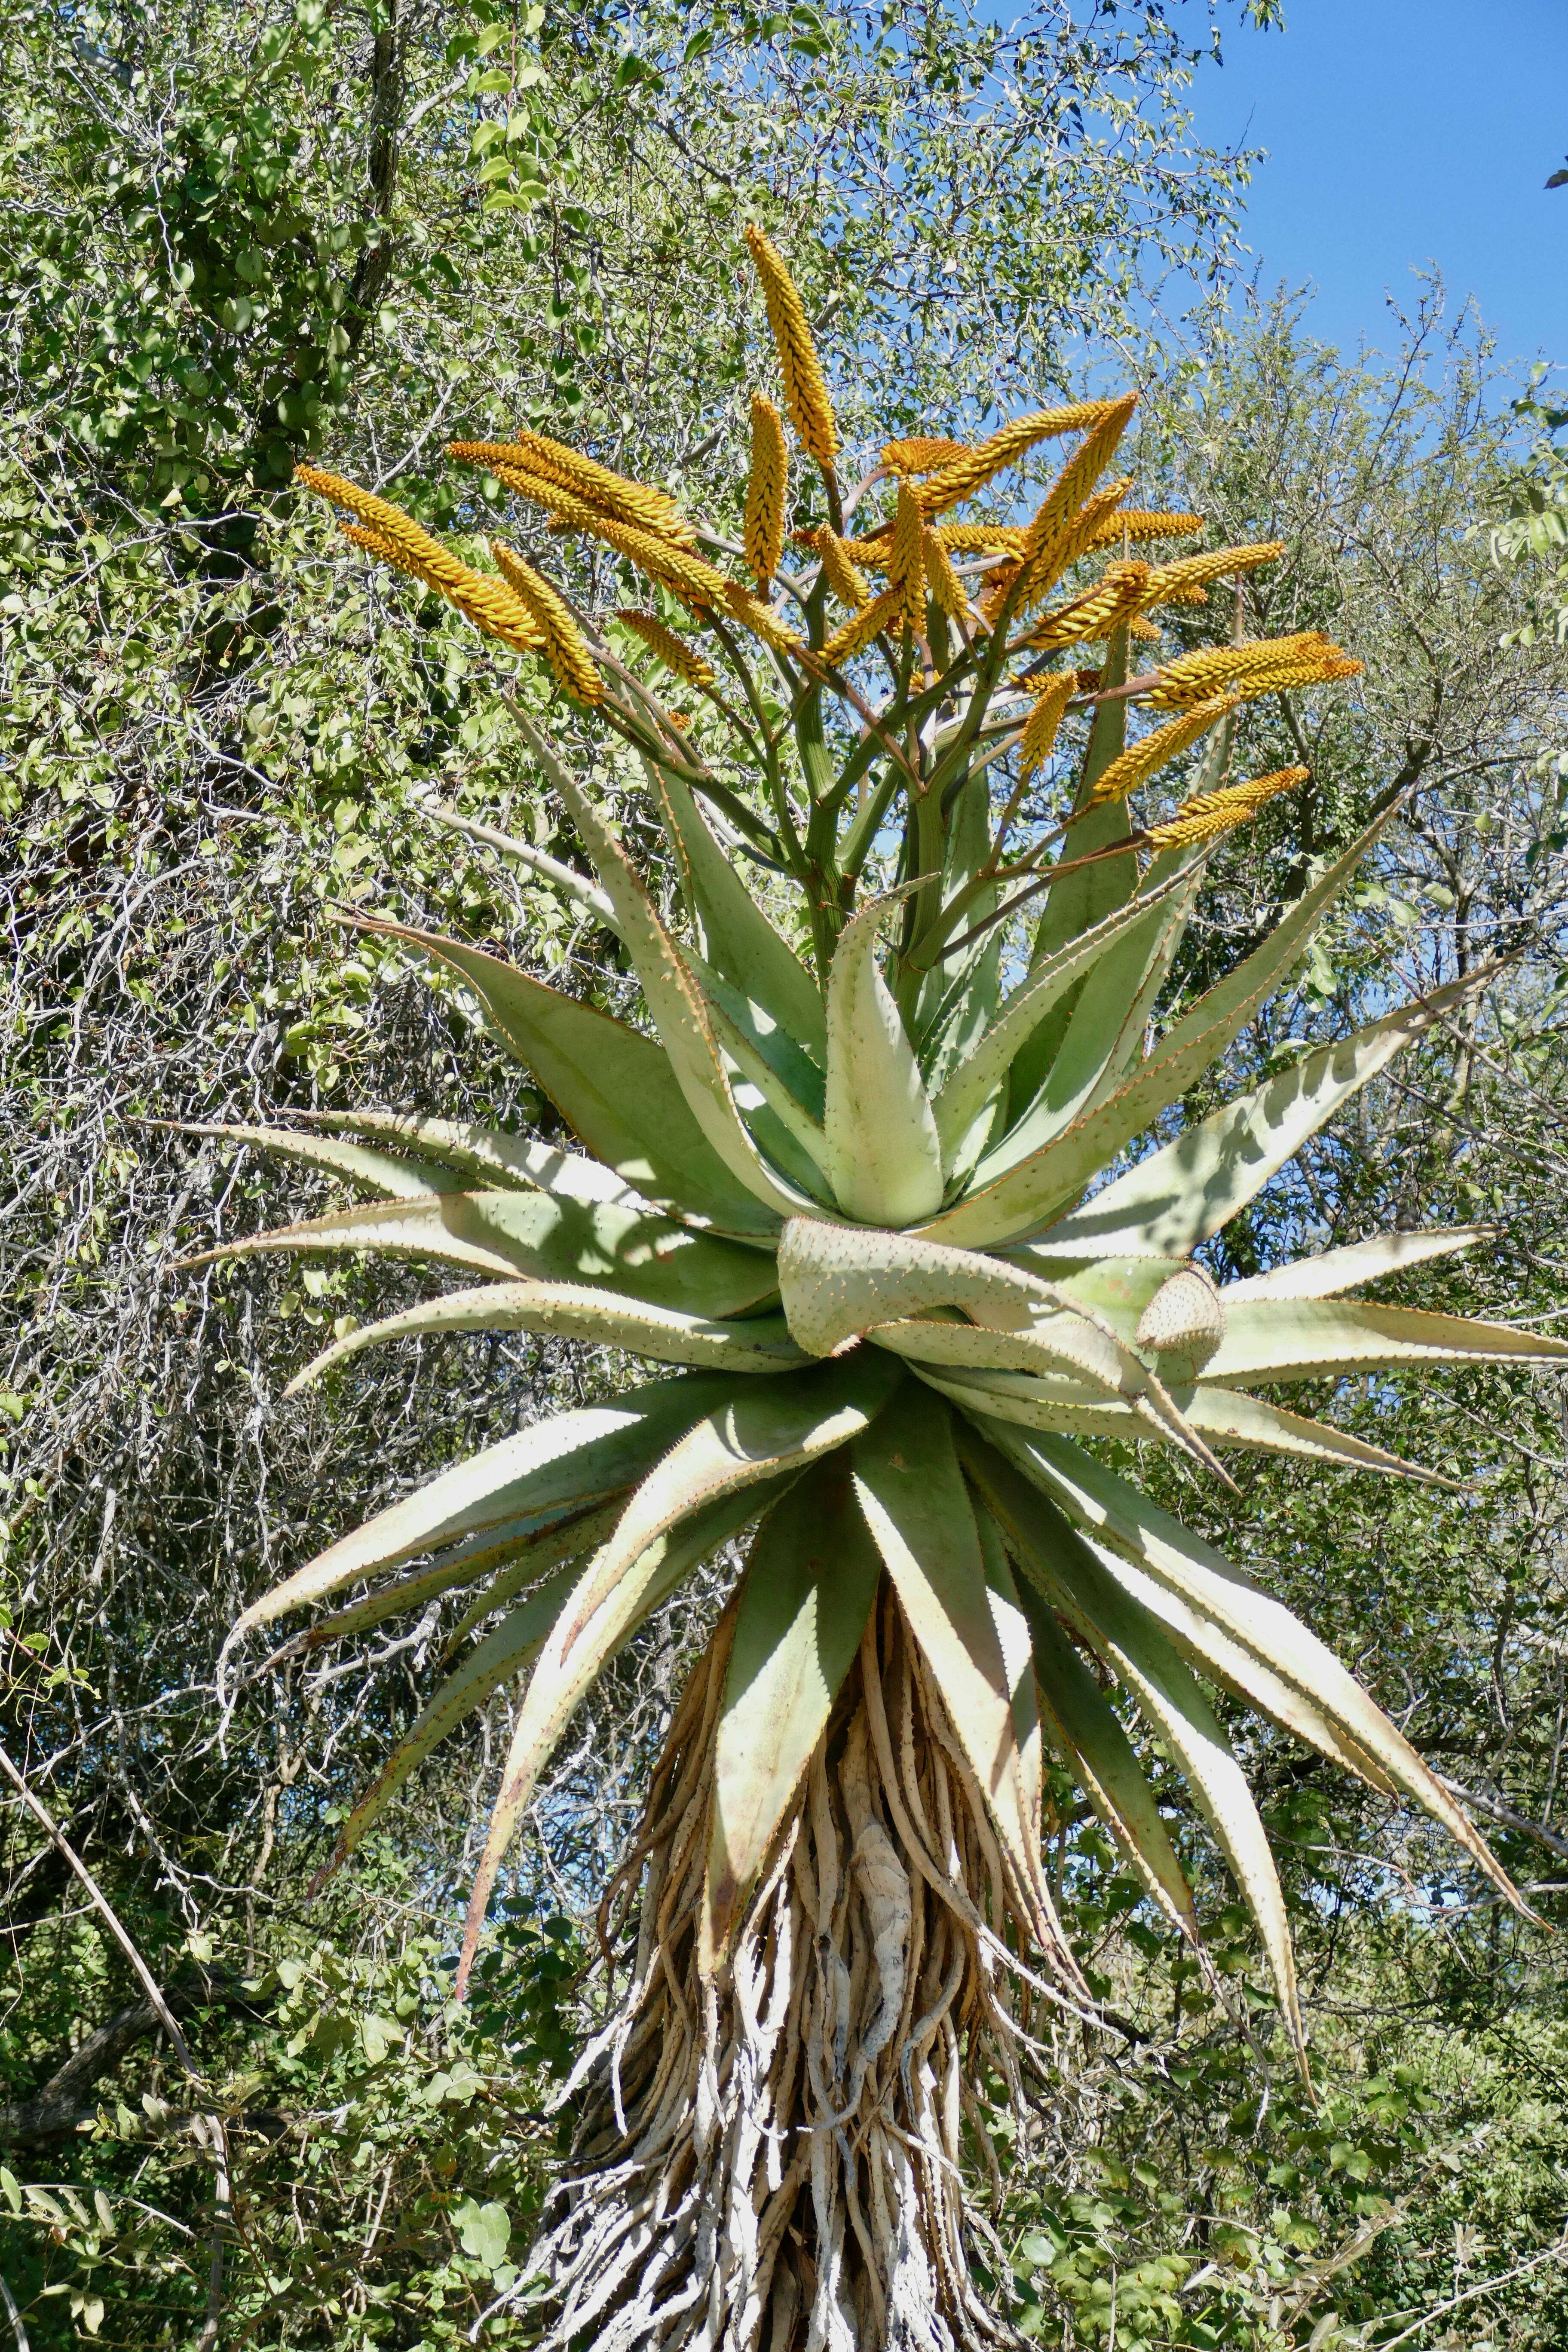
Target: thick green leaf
839, 1286
515, 1641
372, 1171
544, 1473
571, 1311
1089, 1740
1224, 1416
1074, 1581
883, 1156
1018, 1659
972, 1080
807, 1593
633, 1252
614, 1089
486, 1155
1345, 1270
520, 1560
777, 1089
1117, 1515
718, 1477
1185, 1192
737, 939
1311, 1339
677, 1008
1025, 1198
1105, 1032
580, 1538
912, 1493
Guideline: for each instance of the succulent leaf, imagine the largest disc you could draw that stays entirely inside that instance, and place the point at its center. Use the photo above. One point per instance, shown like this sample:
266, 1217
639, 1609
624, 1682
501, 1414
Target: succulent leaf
574, 1311
634, 1251
808, 1589
377, 1172
1187, 1190
884, 1156
917, 1506
547, 1473
1357, 1262
617, 1091
485, 1155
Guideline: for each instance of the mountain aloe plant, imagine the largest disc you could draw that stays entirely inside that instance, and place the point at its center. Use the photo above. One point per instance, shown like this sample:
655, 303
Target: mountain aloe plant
890, 1187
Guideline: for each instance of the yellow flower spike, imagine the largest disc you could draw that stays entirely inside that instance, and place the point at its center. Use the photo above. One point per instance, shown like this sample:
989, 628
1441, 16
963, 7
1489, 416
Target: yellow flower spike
766, 490
1146, 630
385, 531
946, 588
857, 634
1099, 611
565, 646
848, 583
806, 387
674, 566
1061, 553
906, 566
1208, 814
1265, 665
1139, 523
536, 454
922, 452
673, 651
762, 620
1060, 505
969, 473
980, 537
1174, 583
1146, 758
1052, 694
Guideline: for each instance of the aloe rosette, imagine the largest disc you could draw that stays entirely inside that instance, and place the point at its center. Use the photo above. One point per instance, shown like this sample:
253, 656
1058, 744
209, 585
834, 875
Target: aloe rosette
896, 1209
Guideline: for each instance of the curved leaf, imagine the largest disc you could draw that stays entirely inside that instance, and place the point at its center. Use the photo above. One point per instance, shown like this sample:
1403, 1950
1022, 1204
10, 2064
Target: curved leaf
675, 1003
634, 1251
971, 1081
530, 1554
1122, 1518
1185, 1192
616, 1090
1310, 1338
1345, 1270
1088, 1737
1029, 1196
374, 1171
487, 1155
737, 939
718, 1477
506, 1651
884, 1157
571, 1311
1226, 1417
808, 1592
917, 1506
544, 1473
1067, 1572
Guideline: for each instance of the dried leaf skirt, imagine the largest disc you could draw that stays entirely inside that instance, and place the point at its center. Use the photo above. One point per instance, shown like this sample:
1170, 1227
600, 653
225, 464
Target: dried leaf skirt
772, 2161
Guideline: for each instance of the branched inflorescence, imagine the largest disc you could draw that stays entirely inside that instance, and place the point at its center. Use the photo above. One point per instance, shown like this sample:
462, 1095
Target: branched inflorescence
895, 1222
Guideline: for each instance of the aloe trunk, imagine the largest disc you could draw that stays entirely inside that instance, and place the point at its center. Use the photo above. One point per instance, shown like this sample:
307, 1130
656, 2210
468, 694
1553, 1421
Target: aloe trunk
868, 1199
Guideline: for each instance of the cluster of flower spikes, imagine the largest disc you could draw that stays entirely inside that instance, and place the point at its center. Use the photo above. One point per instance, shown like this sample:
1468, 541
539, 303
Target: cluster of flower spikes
897, 1231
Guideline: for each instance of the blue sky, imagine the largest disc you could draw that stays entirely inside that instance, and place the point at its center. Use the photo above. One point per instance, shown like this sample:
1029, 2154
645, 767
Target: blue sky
1402, 132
